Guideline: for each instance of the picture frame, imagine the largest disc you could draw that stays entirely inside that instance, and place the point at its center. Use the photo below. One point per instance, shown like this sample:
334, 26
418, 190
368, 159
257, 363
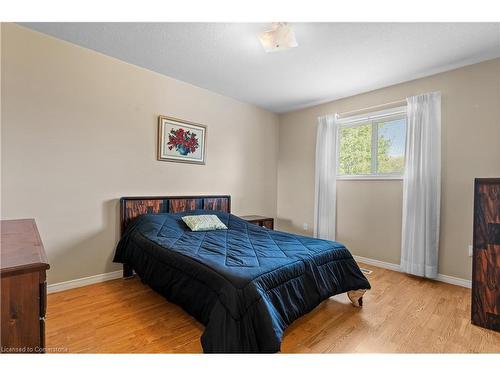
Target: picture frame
181, 141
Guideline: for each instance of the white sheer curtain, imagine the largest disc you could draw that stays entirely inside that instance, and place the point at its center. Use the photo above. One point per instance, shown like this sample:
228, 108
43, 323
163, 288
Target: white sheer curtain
326, 173
422, 186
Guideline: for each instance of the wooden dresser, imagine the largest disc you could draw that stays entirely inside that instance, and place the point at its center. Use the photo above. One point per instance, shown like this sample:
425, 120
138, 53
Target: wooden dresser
486, 254
23, 286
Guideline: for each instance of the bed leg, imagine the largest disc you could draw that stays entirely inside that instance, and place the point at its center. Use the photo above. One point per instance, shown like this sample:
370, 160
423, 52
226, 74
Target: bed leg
128, 272
356, 297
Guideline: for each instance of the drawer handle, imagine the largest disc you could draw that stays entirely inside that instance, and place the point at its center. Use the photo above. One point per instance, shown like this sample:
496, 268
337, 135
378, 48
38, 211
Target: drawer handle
43, 298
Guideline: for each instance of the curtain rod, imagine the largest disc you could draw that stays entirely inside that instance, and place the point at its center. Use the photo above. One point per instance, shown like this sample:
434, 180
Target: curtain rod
400, 102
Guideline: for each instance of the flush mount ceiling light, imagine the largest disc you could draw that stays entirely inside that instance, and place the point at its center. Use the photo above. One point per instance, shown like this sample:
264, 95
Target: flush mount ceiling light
279, 38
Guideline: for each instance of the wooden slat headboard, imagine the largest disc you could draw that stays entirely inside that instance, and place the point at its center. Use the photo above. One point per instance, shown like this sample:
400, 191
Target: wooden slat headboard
131, 207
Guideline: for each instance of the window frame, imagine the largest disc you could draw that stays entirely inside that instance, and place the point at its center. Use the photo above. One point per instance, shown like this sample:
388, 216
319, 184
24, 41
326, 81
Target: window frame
372, 119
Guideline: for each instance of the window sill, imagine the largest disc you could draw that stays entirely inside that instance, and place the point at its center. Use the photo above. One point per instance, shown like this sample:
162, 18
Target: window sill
366, 178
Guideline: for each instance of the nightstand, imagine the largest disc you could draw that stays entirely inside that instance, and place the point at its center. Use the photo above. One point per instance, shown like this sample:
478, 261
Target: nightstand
263, 221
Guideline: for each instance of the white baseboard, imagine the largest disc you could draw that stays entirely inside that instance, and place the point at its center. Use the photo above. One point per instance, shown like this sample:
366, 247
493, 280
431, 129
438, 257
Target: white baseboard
65, 285
454, 280
395, 267
377, 263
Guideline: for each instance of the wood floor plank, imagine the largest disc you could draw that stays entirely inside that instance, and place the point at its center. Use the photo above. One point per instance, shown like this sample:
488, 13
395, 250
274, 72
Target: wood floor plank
401, 314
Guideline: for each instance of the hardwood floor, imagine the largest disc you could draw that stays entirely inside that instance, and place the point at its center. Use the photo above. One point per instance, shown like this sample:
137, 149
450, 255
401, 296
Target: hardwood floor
400, 314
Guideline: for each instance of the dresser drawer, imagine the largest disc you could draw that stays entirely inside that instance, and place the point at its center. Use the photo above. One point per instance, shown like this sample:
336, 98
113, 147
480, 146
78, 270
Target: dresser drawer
21, 313
23, 287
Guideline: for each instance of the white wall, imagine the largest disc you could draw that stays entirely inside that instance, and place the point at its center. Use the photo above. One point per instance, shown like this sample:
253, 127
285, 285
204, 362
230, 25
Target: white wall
369, 212
79, 131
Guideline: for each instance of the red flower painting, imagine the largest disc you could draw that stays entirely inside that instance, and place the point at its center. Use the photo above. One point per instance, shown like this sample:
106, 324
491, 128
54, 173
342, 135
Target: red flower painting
184, 141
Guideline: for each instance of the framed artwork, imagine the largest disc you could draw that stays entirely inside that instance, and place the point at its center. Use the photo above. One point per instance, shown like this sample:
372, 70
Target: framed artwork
181, 141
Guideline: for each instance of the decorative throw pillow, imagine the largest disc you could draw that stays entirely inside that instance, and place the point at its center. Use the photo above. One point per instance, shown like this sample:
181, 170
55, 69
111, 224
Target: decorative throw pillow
203, 222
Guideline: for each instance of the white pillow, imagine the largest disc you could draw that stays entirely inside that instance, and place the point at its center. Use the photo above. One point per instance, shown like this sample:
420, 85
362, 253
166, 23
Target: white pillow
203, 222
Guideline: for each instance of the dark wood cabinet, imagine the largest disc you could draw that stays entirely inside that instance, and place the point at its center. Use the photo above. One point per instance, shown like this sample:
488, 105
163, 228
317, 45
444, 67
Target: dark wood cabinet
263, 221
23, 287
486, 254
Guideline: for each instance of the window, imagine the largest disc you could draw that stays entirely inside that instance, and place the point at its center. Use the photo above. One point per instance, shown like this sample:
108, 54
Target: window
372, 146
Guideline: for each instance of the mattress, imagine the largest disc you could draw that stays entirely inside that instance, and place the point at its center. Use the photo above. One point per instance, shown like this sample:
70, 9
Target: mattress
246, 284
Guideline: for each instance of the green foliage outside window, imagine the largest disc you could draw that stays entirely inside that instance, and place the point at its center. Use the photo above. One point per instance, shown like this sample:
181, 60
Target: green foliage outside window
355, 152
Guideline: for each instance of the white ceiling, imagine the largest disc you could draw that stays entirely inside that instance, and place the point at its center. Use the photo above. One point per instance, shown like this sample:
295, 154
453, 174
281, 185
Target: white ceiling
333, 60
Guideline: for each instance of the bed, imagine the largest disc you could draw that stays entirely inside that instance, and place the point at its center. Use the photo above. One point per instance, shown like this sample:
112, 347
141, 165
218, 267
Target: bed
246, 284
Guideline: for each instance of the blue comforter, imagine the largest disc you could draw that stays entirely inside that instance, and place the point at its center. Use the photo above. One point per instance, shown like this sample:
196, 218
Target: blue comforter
245, 284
